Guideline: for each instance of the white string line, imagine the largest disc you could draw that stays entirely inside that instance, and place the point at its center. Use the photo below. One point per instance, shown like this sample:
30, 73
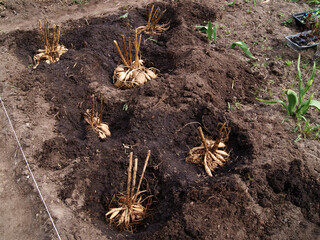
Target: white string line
34, 180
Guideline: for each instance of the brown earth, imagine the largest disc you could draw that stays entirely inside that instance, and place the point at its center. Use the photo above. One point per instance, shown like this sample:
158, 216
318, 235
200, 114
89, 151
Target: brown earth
269, 188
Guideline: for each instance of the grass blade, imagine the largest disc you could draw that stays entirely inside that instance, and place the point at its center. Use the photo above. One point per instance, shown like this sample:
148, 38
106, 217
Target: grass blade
244, 48
210, 31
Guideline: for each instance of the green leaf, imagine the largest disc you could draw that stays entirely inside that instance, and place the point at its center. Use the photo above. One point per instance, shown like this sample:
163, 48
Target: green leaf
293, 100
302, 110
244, 48
152, 39
310, 81
300, 85
202, 29
210, 31
315, 103
274, 101
124, 15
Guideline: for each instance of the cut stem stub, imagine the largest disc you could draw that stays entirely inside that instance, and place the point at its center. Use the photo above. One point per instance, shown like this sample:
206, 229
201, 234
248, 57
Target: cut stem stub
130, 210
152, 26
94, 119
51, 51
131, 73
211, 153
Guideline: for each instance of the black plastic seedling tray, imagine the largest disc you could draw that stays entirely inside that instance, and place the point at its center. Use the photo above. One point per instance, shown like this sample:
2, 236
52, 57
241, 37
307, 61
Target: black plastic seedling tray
298, 18
294, 44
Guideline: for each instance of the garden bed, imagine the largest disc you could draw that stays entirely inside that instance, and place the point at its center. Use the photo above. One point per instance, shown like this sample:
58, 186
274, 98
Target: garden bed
267, 189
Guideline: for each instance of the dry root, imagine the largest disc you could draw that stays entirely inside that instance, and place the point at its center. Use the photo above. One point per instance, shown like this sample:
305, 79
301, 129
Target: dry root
130, 210
52, 51
211, 153
95, 120
153, 18
131, 73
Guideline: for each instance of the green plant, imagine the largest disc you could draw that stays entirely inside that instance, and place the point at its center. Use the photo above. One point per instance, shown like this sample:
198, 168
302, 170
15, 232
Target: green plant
231, 3
288, 22
243, 47
125, 107
288, 63
124, 15
309, 130
152, 39
211, 32
313, 2
296, 106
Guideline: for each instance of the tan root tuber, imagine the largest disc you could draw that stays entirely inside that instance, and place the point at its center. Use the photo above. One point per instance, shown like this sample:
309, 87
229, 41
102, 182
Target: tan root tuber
52, 50
152, 26
211, 153
130, 210
95, 120
131, 73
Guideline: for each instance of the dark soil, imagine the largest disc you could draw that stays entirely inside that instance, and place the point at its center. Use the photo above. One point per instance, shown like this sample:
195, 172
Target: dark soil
255, 195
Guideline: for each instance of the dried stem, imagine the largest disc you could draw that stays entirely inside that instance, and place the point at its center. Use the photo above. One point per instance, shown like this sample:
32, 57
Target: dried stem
53, 37
120, 53
203, 139
136, 60
219, 138
125, 48
150, 14
41, 34
139, 43
135, 168
129, 198
58, 37
129, 46
92, 108
142, 174
101, 108
46, 31
155, 16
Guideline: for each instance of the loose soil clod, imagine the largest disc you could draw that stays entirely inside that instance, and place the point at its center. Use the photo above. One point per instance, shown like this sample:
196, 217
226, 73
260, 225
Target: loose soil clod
52, 51
211, 153
130, 210
153, 27
131, 73
95, 120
